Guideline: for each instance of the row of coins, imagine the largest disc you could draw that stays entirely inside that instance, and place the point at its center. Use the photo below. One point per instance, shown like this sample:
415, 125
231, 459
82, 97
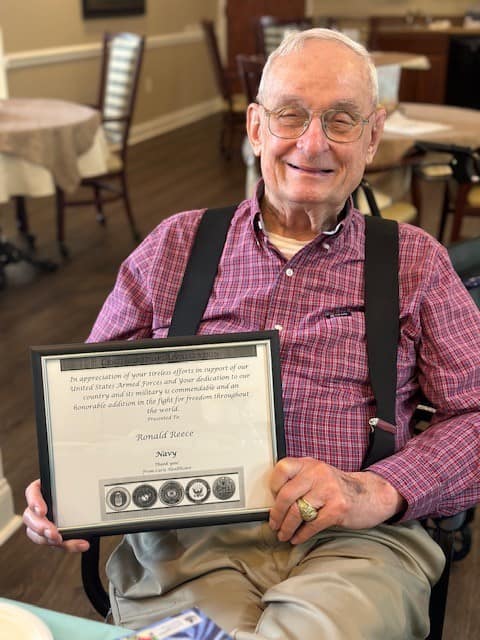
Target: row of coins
171, 493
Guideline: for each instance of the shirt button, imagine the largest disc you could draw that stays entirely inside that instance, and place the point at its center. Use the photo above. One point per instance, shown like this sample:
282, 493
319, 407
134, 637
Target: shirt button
289, 272
326, 246
278, 327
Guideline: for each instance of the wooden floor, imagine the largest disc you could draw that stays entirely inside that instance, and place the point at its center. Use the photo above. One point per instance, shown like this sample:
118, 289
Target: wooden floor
174, 172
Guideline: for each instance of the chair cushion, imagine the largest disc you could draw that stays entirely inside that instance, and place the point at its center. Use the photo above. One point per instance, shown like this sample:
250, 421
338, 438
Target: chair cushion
114, 162
400, 211
382, 199
473, 197
435, 171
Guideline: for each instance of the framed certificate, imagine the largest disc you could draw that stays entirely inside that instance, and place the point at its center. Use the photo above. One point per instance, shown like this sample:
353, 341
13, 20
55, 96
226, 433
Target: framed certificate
167, 433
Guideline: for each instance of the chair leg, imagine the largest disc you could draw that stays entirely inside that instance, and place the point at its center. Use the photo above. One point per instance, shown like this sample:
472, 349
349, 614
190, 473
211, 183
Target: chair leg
99, 205
128, 209
415, 194
22, 221
460, 204
445, 212
60, 206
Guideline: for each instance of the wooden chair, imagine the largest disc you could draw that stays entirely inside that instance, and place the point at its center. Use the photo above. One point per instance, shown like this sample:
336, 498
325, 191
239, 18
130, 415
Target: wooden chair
121, 63
250, 71
234, 103
431, 170
388, 186
463, 170
467, 203
270, 31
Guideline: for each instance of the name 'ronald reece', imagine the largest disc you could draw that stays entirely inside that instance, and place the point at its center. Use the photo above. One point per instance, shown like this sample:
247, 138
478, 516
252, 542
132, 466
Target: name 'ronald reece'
162, 435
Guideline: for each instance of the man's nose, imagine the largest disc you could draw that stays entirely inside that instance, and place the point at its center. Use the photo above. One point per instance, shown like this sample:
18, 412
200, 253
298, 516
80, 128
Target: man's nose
314, 138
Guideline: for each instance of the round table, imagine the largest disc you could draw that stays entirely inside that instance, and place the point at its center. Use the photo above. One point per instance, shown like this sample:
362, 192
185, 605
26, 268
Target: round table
46, 143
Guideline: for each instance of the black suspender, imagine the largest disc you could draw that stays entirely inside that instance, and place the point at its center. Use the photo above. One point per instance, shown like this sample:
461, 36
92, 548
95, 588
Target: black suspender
382, 323
381, 309
201, 270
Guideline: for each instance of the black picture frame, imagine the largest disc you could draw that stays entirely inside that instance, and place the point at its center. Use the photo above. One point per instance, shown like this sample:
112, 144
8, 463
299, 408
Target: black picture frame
95, 490
112, 8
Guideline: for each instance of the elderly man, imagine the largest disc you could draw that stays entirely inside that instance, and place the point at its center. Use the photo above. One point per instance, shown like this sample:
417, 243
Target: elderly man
363, 566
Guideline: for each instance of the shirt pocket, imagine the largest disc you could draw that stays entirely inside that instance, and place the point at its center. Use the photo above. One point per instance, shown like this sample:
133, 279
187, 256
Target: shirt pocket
335, 344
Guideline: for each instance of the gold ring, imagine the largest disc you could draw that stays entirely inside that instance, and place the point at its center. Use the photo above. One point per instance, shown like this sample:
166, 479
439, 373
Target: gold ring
307, 511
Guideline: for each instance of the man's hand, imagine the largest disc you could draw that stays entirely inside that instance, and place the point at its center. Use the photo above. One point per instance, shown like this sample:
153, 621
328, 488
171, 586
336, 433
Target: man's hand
39, 529
355, 500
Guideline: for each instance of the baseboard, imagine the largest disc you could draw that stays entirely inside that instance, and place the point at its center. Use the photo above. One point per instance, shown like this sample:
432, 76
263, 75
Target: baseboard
174, 120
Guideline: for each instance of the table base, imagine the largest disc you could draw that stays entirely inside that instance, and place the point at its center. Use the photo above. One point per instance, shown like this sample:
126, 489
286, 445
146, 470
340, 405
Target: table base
10, 254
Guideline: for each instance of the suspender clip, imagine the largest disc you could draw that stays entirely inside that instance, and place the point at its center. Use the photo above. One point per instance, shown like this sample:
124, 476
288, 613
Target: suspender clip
382, 424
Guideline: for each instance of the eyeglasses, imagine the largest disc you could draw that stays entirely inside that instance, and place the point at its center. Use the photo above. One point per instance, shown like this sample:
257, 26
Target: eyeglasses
338, 125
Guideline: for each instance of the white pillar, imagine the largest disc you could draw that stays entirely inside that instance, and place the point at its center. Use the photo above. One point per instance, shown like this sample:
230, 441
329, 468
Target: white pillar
9, 522
3, 70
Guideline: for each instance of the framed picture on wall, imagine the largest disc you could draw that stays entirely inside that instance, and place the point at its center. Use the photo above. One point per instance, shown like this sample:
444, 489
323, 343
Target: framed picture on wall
111, 8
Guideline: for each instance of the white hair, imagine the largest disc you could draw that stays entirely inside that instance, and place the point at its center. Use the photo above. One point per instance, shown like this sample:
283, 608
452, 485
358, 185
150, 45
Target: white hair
296, 40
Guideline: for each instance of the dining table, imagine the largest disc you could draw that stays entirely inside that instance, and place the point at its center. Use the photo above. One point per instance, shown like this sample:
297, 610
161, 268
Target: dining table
36, 623
413, 121
45, 145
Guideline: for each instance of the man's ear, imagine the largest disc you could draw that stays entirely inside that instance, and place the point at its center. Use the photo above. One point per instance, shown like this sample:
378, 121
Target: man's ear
376, 133
254, 127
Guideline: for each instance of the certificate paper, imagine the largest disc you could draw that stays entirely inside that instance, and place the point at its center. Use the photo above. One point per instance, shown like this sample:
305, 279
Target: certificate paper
162, 433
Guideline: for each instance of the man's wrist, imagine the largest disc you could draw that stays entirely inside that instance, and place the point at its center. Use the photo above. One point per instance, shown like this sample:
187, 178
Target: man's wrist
391, 500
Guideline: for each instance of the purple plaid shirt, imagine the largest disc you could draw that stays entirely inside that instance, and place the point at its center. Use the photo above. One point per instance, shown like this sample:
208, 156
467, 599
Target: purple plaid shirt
316, 302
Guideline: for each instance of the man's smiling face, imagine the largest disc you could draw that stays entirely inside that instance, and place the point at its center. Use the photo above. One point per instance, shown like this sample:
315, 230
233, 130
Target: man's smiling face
312, 170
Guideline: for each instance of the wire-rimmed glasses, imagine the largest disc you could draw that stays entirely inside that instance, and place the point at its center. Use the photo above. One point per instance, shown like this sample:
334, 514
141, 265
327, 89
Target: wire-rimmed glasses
339, 125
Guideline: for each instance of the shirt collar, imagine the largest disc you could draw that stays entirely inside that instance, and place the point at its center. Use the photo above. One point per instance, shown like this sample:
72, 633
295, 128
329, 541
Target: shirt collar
255, 209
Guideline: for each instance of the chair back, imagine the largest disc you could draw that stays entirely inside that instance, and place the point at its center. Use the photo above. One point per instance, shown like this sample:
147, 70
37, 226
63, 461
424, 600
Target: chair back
214, 52
122, 59
271, 30
250, 71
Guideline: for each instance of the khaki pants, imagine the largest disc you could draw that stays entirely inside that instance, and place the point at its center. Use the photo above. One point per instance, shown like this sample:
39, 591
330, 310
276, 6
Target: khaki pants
342, 584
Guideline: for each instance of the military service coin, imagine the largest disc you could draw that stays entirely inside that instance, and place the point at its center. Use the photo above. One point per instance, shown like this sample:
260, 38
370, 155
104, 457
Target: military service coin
144, 496
118, 498
223, 488
197, 490
171, 492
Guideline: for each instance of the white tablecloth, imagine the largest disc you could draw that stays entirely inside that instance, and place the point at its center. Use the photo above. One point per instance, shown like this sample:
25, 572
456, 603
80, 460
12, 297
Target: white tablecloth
46, 143
18, 177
